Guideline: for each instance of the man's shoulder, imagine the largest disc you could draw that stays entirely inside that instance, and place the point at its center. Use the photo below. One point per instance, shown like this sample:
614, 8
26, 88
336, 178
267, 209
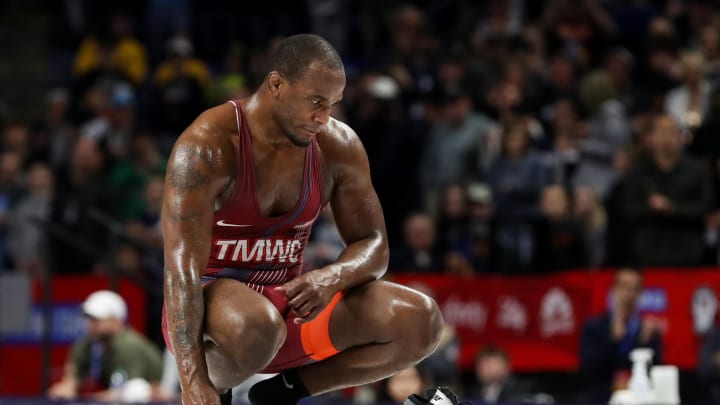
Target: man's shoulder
212, 126
130, 338
338, 139
337, 132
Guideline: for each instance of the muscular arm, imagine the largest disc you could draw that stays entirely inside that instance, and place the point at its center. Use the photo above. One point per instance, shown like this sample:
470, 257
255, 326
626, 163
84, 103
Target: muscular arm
195, 177
359, 219
358, 215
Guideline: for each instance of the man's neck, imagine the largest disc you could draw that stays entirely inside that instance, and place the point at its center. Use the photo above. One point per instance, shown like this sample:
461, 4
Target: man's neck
264, 130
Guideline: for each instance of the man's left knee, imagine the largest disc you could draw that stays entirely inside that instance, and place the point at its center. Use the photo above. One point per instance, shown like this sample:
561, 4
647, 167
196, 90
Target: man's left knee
425, 324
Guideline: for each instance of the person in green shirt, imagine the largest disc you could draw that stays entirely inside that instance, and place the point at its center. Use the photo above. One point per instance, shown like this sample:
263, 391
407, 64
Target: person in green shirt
108, 355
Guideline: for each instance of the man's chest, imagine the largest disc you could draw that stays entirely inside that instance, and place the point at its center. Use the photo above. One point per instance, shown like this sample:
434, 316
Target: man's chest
281, 182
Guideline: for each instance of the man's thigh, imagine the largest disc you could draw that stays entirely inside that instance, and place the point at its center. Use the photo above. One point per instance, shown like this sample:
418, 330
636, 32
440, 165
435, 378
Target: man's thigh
375, 311
232, 309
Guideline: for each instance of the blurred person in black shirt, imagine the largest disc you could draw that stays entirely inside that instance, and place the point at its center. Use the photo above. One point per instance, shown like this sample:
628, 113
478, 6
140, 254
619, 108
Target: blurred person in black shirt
667, 197
78, 190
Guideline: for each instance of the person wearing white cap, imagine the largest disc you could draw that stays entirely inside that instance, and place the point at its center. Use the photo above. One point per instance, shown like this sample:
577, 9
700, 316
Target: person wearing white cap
108, 355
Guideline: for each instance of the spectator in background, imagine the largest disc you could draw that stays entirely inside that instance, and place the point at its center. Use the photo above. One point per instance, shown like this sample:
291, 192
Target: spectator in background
163, 19
689, 104
709, 46
607, 340
453, 220
115, 50
593, 221
108, 355
106, 59
488, 53
578, 28
16, 140
396, 389
128, 263
442, 364
494, 380
134, 170
332, 21
231, 83
11, 177
394, 143
502, 18
452, 151
513, 97
705, 145
565, 132
54, 135
80, 189
326, 243
419, 251
114, 122
708, 370
660, 69
410, 62
144, 231
619, 232
558, 235
609, 131
506, 100
516, 179
619, 65
146, 225
26, 237
667, 197
560, 84
180, 85
480, 226
454, 67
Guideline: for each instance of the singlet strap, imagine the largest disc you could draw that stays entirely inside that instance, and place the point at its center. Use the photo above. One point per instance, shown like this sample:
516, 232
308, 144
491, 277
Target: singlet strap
244, 149
317, 174
237, 115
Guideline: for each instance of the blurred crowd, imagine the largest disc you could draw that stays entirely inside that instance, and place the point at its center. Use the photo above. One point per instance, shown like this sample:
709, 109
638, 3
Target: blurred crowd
506, 136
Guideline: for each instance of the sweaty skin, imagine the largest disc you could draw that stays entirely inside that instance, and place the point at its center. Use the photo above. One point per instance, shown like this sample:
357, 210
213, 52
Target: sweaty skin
228, 332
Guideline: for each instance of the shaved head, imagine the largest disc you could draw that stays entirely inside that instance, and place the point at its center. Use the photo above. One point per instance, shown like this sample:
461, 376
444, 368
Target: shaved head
295, 54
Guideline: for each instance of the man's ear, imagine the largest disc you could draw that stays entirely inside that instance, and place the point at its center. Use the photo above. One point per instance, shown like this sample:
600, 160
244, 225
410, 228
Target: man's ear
274, 83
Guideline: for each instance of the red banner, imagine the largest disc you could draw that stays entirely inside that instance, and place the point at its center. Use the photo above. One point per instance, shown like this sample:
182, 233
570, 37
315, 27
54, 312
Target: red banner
538, 319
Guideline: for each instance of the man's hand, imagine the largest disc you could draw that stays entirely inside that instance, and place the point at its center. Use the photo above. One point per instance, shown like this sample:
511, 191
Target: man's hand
62, 390
309, 293
649, 328
618, 323
200, 395
659, 203
618, 328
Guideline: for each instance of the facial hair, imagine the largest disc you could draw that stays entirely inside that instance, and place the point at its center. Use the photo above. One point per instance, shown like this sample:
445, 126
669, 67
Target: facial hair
295, 139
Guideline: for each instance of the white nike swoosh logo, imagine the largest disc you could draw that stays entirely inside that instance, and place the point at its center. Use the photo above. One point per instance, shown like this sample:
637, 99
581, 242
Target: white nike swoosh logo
222, 223
289, 386
304, 225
